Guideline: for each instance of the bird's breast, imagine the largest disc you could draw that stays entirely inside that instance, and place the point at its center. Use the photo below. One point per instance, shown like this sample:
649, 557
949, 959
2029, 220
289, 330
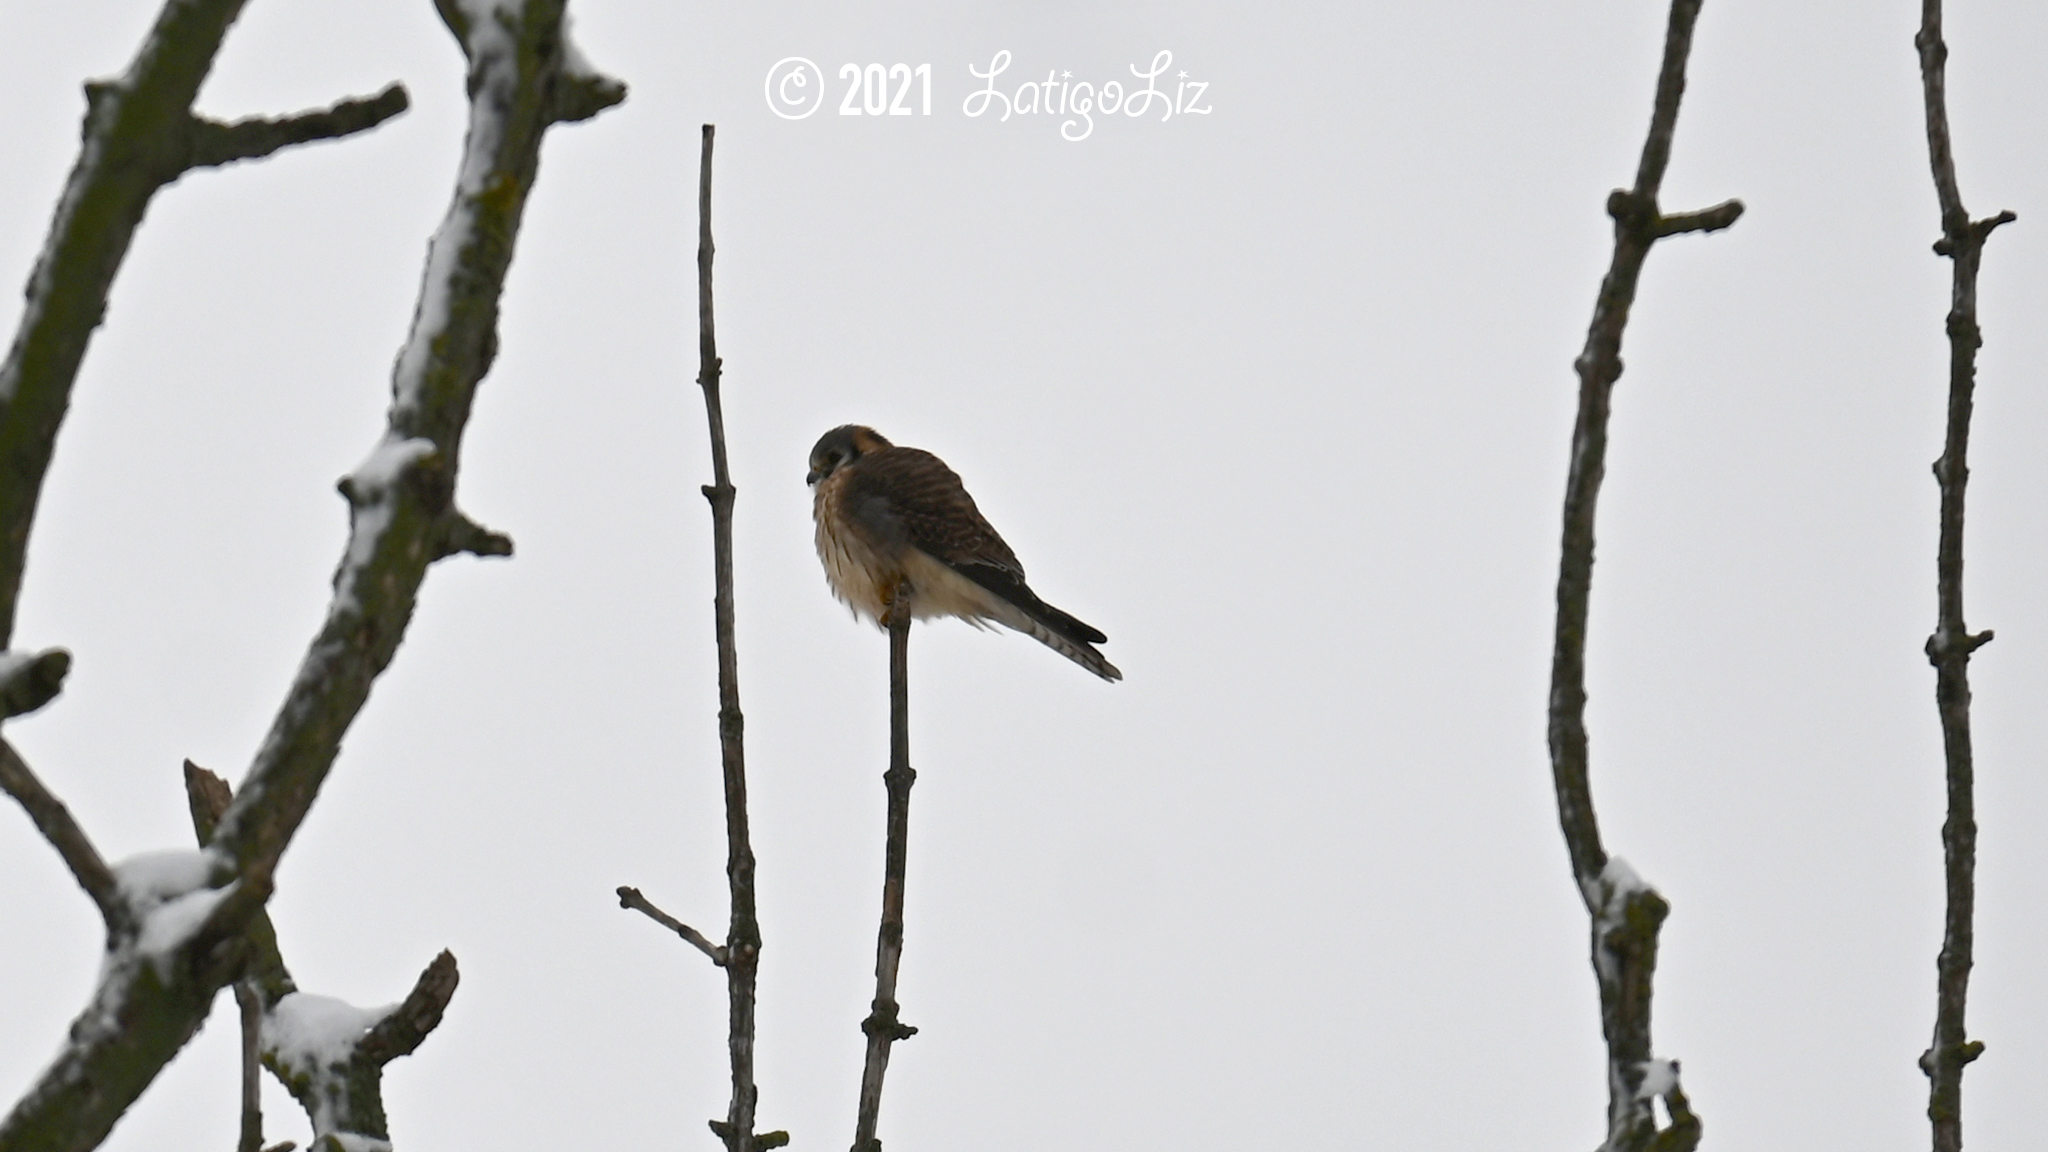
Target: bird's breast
857, 572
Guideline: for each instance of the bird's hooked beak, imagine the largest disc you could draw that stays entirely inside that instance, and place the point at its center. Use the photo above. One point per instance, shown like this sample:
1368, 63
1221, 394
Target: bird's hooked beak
812, 477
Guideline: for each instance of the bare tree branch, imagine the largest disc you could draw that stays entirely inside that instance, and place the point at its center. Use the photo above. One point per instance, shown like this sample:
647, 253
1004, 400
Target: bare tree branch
329, 1055
401, 498
207, 797
250, 1010
740, 955
884, 1025
56, 824
1626, 912
214, 143
139, 135
1949, 648
27, 682
187, 929
631, 898
742, 951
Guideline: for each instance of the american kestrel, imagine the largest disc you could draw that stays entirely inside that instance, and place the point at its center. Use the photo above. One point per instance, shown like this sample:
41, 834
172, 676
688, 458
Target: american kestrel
889, 516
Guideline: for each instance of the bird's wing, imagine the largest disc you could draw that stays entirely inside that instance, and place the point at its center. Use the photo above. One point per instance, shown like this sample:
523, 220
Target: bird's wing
909, 496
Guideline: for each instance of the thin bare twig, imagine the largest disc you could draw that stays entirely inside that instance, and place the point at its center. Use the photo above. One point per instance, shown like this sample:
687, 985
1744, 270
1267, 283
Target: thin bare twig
742, 951
251, 1010
1626, 912
883, 1025
1949, 648
631, 898
740, 955
58, 826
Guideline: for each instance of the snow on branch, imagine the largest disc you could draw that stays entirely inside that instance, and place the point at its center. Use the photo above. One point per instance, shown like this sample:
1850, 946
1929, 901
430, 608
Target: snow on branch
329, 1054
174, 936
166, 961
402, 497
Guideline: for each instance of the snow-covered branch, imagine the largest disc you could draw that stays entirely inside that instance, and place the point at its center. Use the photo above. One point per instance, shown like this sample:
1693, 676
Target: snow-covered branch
180, 923
402, 497
329, 1054
140, 134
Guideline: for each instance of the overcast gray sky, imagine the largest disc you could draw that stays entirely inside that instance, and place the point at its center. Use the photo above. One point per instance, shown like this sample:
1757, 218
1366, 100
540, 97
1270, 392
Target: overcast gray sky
1278, 396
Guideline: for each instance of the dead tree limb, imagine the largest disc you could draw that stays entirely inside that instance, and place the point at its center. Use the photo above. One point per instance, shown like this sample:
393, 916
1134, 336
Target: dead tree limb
631, 898
330, 1055
140, 134
740, 955
180, 928
742, 951
1949, 648
883, 1025
1626, 912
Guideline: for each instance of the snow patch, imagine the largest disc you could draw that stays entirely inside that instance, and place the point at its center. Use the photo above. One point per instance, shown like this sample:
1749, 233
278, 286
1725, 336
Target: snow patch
148, 879
1659, 1078
166, 929
372, 510
168, 893
574, 62
380, 469
310, 1034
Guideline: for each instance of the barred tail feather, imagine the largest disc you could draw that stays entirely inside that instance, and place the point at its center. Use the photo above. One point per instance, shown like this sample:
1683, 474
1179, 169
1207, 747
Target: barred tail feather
1002, 596
1079, 651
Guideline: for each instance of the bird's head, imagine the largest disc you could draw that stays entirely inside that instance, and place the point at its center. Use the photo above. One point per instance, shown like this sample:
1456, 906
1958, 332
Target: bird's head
842, 446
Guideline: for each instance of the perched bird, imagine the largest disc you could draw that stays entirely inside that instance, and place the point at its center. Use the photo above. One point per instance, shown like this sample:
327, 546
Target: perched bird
890, 516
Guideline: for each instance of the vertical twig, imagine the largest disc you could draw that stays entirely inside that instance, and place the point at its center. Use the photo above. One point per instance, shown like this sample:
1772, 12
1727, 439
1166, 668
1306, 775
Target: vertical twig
1949, 649
882, 1026
252, 1068
1626, 912
741, 955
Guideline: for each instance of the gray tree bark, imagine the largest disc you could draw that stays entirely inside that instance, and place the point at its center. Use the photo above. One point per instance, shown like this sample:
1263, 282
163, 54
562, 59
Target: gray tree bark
1626, 912
180, 930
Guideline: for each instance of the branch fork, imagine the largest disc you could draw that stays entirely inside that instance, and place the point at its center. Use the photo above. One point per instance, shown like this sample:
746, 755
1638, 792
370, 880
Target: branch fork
168, 959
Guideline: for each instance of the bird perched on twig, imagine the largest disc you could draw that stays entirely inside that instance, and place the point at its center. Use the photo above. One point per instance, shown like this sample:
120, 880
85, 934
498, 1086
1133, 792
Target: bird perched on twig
891, 517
